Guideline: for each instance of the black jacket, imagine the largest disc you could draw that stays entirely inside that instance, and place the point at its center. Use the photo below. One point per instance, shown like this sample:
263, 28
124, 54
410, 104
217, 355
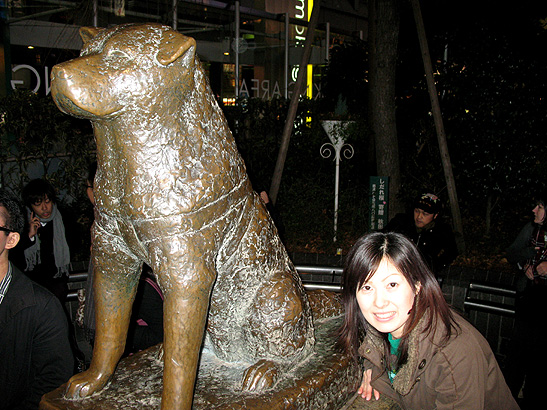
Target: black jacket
44, 272
436, 243
521, 250
35, 354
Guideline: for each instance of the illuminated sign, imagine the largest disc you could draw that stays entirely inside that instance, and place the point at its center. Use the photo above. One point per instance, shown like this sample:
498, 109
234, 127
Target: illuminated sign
23, 74
303, 13
260, 89
300, 7
267, 89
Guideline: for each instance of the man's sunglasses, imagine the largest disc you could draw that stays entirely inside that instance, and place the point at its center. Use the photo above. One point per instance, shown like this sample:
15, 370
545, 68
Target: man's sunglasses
6, 229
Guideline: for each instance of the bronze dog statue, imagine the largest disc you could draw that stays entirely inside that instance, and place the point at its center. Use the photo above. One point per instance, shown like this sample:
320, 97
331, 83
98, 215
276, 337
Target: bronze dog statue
172, 192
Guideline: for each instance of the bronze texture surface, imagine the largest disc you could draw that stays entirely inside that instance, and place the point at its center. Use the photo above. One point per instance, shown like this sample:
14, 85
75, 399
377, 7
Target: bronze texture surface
324, 381
171, 191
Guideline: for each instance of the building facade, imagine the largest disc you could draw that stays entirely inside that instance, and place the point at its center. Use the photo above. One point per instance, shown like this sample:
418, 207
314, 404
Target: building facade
250, 48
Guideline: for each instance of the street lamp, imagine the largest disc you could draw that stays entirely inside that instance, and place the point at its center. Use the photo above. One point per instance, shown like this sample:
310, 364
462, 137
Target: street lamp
336, 131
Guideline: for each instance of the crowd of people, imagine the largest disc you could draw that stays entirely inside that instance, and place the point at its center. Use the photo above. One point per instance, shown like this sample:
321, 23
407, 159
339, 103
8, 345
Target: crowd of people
38, 346
415, 349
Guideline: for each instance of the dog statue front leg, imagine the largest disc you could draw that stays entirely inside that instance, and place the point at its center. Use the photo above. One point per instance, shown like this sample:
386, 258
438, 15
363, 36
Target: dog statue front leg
185, 316
115, 287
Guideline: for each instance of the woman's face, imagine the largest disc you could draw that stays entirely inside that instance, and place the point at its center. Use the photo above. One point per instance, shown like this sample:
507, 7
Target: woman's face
42, 208
539, 213
386, 299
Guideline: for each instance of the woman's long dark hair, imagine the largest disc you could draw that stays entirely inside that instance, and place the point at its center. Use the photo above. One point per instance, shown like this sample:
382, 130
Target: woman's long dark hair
362, 263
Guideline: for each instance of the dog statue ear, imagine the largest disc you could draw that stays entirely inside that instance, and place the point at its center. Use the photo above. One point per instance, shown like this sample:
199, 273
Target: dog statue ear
87, 33
173, 46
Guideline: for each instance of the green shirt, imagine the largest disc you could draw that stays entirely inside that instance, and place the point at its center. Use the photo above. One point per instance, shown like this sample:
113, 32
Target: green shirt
394, 343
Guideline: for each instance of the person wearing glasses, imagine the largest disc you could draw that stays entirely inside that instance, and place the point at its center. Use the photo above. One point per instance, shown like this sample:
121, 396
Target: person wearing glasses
35, 353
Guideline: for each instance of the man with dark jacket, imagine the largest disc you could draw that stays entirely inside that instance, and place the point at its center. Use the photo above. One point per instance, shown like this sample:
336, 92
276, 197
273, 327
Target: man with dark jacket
35, 354
434, 238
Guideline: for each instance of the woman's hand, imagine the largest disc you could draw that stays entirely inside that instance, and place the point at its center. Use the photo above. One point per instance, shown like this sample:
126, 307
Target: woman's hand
529, 272
34, 224
366, 389
542, 269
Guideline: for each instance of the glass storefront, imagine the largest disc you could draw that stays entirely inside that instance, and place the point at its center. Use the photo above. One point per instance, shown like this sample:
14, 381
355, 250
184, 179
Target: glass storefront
267, 51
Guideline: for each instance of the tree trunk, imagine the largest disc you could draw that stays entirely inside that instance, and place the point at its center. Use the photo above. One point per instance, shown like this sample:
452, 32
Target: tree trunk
384, 22
490, 206
488, 218
293, 106
439, 126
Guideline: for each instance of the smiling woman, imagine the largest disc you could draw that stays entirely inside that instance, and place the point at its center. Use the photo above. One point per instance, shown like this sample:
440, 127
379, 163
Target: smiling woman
416, 350
386, 299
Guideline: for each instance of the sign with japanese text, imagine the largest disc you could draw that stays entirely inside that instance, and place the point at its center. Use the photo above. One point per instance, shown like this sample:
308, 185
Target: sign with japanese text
378, 202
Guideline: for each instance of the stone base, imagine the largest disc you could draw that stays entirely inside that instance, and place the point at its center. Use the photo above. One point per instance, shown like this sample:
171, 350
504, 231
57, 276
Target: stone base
326, 380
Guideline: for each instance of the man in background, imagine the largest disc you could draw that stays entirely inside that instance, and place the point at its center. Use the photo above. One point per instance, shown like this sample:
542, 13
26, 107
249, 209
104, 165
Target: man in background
35, 354
434, 238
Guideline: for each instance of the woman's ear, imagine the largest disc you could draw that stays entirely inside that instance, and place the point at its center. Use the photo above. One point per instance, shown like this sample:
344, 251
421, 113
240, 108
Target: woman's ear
13, 240
418, 288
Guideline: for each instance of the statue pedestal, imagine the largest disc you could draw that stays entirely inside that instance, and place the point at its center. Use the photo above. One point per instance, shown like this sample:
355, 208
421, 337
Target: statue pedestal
326, 380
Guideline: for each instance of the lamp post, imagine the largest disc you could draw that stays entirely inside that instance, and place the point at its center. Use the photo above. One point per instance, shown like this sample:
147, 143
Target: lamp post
336, 132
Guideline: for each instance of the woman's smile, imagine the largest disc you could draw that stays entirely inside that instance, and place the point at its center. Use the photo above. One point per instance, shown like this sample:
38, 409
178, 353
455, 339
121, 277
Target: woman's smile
386, 299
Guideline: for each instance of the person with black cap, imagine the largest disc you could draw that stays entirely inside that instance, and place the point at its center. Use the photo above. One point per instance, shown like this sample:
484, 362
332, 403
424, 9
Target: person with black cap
525, 363
434, 238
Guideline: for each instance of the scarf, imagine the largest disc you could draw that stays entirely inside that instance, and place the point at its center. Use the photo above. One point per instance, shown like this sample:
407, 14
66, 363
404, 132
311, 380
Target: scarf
403, 379
61, 253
